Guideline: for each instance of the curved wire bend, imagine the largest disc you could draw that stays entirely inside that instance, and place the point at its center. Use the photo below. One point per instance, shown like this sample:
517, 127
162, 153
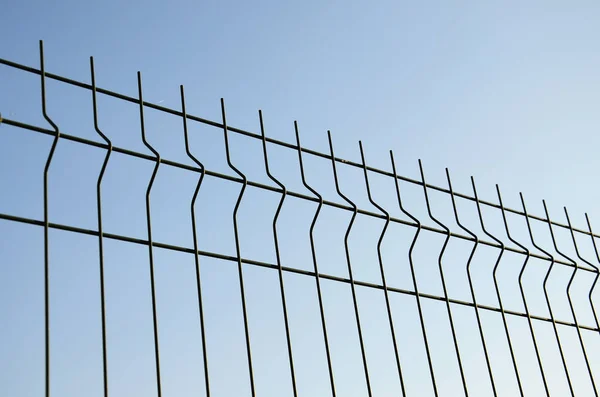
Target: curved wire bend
100, 229
523, 266
277, 255
47, 225
449, 310
380, 259
150, 251
314, 259
597, 273
587, 263
471, 255
577, 267
498, 259
237, 248
195, 237
545, 287
413, 274
554, 243
350, 276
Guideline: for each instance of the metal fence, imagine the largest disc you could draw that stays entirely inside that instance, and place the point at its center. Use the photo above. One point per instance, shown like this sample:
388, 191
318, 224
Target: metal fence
543, 337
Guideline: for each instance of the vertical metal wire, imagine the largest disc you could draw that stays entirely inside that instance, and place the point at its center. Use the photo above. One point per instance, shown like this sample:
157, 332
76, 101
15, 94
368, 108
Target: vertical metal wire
569, 296
479, 325
100, 230
502, 248
523, 266
352, 286
413, 274
237, 248
447, 231
545, 286
148, 222
314, 259
195, 237
278, 257
380, 259
597, 272
583, 349
46, 224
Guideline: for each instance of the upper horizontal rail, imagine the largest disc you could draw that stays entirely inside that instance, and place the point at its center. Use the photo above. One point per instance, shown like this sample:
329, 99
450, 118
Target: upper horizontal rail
288, 192
275, 142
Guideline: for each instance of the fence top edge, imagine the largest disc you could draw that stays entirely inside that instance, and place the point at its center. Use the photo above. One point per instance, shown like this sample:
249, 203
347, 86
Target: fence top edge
254, 135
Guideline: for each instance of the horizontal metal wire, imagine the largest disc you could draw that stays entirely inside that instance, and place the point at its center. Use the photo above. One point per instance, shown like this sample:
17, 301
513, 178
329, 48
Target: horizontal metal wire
333, 204
171, 247
270, 140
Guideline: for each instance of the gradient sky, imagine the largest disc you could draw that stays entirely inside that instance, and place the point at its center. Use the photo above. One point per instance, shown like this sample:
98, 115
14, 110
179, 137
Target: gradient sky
507, 92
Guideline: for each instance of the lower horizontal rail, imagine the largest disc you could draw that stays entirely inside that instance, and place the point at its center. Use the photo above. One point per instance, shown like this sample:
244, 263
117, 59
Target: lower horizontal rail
215, 255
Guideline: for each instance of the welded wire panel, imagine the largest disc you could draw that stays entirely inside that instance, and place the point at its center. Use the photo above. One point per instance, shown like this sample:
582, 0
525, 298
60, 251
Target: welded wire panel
146, 250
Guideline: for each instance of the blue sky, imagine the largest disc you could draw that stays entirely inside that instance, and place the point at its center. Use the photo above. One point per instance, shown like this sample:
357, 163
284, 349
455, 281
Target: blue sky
505, 92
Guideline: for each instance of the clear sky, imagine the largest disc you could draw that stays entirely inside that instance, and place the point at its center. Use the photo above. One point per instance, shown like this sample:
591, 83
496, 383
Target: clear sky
505, 91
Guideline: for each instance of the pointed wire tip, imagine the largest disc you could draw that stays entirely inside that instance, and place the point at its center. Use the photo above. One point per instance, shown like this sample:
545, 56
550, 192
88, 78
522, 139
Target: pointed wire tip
567, 215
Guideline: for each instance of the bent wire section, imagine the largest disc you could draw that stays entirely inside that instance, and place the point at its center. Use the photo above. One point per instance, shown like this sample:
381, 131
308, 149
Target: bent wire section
382, 272
413, 274
195, 238
497, 289
149, 224
314, 259
100, 230
586, 262
237, 248
547, 298
522, 271
471, 288
587, 219
576, 267
441, 268
46, 224
350, 276
278, 256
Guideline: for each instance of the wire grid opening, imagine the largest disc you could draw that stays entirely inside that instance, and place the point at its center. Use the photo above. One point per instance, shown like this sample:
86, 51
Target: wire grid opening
172, 253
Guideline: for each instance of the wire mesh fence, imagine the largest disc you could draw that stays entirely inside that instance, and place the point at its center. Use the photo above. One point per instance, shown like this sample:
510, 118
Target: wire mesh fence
176, 255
